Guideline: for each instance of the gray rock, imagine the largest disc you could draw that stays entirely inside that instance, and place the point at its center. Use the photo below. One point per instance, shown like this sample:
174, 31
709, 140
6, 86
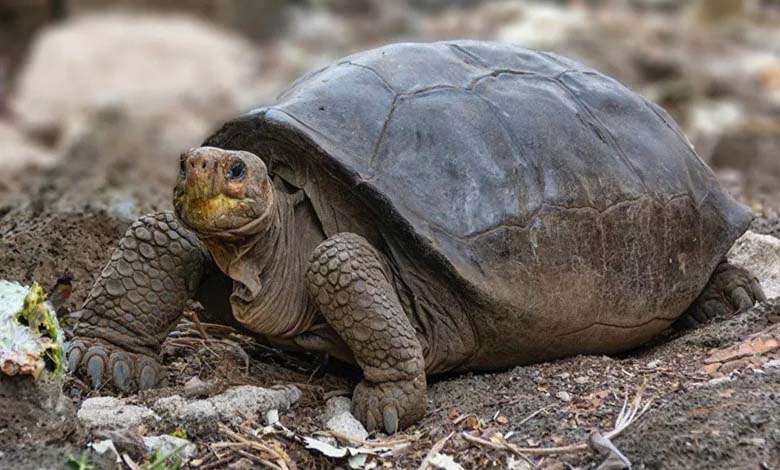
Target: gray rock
197, 416
200, 416
113, 413
759, 254
338, 418
335, 406
345, 423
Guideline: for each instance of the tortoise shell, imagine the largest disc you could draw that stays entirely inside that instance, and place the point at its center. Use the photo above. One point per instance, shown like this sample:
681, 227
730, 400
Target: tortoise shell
567, 206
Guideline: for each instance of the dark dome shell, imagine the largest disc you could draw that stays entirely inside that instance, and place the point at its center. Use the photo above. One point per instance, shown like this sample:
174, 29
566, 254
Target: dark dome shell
462, 145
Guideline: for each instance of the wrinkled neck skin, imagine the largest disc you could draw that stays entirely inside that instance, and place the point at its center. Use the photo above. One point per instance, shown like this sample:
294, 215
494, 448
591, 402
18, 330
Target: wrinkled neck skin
267, 267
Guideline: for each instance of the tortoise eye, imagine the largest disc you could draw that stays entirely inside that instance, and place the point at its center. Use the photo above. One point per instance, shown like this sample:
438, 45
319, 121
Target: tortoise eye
237, 170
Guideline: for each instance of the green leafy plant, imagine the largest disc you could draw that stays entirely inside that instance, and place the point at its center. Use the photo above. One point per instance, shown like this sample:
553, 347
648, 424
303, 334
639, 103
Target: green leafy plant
165, 461
82, 463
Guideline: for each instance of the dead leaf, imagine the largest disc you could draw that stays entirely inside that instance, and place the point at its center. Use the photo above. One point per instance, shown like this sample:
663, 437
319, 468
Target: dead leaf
699, 411
731, 366
325, 448
712, 369
444, 462
757, 345
472, 423
728, 393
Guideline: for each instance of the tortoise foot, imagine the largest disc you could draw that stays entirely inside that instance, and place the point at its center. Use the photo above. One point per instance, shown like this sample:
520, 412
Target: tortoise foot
104, 365
389, 406
731, 289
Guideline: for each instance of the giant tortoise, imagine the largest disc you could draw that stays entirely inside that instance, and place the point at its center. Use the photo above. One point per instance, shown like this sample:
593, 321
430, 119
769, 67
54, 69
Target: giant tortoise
426, 208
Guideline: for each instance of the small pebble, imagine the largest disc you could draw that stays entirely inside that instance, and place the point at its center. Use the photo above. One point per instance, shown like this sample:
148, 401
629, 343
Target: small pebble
564, 396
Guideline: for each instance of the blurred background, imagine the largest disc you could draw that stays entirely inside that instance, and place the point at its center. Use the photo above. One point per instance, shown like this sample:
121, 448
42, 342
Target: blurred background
99, 97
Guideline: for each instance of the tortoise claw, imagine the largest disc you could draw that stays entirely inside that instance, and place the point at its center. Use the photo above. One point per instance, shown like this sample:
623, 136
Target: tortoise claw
390, 417
758, 291
740, 299
731, 290
105, 364
149, 376
389, 406
121, 371
75, 353
95, 367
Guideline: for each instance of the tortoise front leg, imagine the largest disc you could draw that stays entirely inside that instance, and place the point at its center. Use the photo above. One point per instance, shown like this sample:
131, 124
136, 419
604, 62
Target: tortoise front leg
348, 282
135, 302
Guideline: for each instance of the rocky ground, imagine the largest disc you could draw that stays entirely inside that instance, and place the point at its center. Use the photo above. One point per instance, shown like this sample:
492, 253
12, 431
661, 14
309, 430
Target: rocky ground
76, 168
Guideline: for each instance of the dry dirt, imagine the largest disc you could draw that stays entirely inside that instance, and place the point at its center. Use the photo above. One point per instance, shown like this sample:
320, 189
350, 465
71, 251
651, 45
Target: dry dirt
65, 219
693, 422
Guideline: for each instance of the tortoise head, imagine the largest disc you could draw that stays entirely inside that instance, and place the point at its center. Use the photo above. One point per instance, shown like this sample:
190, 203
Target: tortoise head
223, 192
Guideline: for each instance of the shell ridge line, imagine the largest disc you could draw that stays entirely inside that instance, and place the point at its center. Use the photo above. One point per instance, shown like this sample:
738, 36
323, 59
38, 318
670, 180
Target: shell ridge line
599, 212
371, 69
460, 50
540, 178
613, 142
498, 72
372, 163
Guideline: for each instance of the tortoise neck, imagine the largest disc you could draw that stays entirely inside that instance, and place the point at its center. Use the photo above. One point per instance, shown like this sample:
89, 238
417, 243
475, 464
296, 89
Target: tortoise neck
269, 295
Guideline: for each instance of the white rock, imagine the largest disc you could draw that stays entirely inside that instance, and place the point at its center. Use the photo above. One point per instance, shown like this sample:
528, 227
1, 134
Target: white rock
335, 406
563, 396
161, 66
541, 25
113, 413
718, 381
774, 363
760, 255
18, 151
167, 444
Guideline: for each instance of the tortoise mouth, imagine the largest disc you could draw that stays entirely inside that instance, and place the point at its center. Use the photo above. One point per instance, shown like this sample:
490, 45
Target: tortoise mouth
221, 190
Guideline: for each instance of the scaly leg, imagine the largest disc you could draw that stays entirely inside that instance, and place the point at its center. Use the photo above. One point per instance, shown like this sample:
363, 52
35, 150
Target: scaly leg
729, 290
348, 282
135, 302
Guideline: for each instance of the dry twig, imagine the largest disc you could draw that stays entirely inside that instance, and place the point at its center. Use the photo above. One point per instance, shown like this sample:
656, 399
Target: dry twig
386, 443
281, 459
625, 418
531, 416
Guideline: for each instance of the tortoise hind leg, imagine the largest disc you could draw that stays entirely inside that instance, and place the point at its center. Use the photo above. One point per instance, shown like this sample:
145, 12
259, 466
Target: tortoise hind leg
729, 290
